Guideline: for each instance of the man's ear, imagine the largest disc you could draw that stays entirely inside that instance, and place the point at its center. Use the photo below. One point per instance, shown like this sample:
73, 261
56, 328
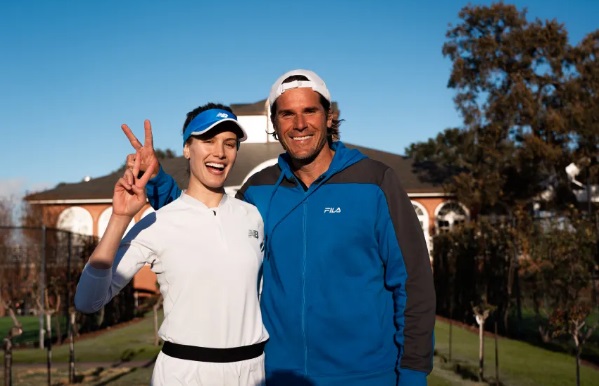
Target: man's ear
275, 128
330, 118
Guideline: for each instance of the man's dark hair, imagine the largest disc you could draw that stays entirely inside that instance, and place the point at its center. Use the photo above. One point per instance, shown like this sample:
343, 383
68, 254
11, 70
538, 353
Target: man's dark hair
332, 132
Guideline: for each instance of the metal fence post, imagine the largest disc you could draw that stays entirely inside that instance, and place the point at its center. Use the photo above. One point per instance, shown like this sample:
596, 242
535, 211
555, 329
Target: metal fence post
42, 289
67, 303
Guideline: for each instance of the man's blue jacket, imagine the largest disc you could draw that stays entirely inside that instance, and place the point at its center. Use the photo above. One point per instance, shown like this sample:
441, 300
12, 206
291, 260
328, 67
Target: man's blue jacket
348, 296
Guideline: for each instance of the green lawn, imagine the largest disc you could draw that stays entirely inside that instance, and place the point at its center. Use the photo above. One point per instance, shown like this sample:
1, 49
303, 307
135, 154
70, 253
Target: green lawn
521, 364
30, 326
131, 347
96, 376
134, 342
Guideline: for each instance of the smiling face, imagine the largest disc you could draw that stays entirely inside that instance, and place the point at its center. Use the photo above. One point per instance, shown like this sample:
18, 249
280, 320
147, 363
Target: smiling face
301, 124
210, 161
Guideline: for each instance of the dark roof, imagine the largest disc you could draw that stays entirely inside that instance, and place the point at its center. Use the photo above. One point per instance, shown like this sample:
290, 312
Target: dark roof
98, 188
250, 155
259, 108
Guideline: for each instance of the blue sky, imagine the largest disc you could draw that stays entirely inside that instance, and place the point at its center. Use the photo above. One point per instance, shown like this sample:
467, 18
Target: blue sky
71, 72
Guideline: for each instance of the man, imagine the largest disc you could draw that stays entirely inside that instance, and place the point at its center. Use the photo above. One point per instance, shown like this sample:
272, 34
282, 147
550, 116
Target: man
348, 296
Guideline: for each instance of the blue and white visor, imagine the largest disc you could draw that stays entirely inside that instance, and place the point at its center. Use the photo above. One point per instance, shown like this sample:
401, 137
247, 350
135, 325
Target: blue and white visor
209, 119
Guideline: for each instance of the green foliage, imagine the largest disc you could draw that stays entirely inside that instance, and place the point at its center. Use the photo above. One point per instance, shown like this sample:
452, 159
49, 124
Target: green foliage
507, 73
472, 266
530, 103
572, 321
583, 111
561, 260
558, 272
165, 154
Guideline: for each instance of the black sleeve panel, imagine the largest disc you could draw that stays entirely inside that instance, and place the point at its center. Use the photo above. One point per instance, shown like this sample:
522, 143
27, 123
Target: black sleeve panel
421, 299
366, 171
421, 302
266, 176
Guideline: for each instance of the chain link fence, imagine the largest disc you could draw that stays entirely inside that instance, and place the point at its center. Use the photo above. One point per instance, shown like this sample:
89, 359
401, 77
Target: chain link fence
39, 271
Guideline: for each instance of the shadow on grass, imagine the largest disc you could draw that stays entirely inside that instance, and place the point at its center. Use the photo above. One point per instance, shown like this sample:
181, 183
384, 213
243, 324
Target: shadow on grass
465, 370
127, 356
125, 373
116, 377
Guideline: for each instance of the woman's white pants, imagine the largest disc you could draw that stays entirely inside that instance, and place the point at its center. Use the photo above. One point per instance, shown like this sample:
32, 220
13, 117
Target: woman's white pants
169, 371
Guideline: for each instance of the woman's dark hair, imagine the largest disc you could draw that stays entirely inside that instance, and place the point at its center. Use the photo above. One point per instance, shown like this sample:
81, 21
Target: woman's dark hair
208, 106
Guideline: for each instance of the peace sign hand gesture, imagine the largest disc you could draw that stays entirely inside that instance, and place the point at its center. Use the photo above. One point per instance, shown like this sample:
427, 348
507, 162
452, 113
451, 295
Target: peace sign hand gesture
145, 152
129, 191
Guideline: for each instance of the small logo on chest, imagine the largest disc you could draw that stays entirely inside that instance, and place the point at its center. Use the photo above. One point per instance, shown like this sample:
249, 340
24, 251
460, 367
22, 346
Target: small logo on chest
332, 210
253, 233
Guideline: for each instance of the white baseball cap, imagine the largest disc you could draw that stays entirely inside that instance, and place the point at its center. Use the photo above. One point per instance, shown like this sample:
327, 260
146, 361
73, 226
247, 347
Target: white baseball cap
314, 82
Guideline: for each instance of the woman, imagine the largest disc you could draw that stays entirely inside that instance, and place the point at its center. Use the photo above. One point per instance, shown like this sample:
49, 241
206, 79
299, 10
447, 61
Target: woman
206, 250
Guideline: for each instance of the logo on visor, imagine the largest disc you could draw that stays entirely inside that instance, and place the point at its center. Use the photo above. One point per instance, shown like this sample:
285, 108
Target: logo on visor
253, 233
222, 115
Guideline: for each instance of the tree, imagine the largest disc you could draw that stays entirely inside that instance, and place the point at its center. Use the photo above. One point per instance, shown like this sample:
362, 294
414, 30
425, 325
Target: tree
466, 164
165, 154
559, 268
573, 321
583, 112
481, 313
4, 236
5, 214
14, 331
530, 104
509, 75
48, 310
14, 262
